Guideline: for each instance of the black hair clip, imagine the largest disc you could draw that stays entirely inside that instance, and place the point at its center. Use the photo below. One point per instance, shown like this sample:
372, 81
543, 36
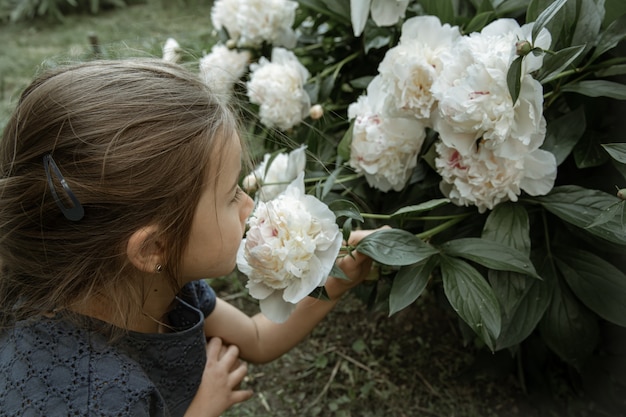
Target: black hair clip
74, 213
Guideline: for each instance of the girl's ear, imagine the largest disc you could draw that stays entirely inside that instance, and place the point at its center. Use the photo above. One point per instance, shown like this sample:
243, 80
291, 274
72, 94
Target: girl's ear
145, 250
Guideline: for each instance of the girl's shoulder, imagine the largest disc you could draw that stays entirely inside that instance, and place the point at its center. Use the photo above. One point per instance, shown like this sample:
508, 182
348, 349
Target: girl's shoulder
51, 366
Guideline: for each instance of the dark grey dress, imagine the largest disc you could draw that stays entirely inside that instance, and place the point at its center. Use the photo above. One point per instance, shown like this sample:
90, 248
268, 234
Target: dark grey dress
52, 367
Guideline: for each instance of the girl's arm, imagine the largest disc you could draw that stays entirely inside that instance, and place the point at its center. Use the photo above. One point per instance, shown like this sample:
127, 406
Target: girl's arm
261, 340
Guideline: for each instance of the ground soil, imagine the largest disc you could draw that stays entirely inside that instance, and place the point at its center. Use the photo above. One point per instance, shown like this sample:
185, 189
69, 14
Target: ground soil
361, 362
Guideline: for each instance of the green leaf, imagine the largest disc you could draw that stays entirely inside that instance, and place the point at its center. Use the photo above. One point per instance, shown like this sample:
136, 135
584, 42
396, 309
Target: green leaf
472, 298
611, 71
320, 293
523, 302
597, 88
545, 16
420, 208
617, 151
345, 208
611, 37
580, 207
614, 9
340, 8
511, 7
361, 82
321, 7
479, 21
409, 283
588, 152
330, 182
568, 327
607, 214
338, 273
346, 230
343, 149
395, 247
596, 282
443, 9
377, 38
590, 17
508, 224
553, 65
564, 133
490, 254
514, 78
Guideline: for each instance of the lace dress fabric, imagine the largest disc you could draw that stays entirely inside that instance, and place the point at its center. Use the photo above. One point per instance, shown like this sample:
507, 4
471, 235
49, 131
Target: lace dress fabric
52, 367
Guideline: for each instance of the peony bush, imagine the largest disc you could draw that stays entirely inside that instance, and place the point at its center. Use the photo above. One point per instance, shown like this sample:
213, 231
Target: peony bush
489, 134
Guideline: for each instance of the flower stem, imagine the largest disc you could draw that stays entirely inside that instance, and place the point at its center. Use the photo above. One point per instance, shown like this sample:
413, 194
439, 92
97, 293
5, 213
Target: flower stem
443, 226
337, 67
339, 180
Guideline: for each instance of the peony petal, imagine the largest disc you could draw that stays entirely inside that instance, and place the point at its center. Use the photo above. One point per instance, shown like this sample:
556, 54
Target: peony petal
297, 162
540, 172
242, 262
359, 11
275, 308
388, 12
303, 287
259, 290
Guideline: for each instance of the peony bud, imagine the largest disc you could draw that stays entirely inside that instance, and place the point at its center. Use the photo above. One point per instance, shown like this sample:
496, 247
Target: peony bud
171, 51
316, 112
523, 48
250, 183
622, 194
231, 44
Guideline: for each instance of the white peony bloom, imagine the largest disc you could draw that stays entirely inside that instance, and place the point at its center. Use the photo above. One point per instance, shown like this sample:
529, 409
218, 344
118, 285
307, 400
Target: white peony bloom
384, 148
384, 12
221, 68
253, 22
171, 50
277, 86
483, 179
409, 69
289, 250
270, 181
474, 100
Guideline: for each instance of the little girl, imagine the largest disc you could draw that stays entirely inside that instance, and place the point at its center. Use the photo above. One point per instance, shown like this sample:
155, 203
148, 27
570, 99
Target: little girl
118, 196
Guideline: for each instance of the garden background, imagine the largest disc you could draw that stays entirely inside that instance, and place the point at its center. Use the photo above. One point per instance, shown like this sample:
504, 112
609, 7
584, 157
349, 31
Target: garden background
361, 361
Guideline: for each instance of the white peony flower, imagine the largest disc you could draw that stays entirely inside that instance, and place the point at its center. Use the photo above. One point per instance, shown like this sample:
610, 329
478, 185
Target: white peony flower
253, 22
273, 179
221, 68
474, 100
171, 50
289, 250
277, 86
483, 179
384, 148
384, 12
409, 69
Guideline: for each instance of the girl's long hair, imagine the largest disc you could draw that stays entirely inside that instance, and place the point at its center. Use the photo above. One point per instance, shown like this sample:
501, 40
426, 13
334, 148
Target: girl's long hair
132, 139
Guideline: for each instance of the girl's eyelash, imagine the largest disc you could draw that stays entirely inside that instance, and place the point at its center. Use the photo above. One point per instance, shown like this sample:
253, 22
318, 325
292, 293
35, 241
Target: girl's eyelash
238, 194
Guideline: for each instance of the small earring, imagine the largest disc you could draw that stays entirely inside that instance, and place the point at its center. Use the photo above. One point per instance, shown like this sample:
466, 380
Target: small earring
158, 268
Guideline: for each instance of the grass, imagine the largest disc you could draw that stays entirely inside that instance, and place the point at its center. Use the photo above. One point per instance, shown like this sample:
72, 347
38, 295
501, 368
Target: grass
358, 362
138, 30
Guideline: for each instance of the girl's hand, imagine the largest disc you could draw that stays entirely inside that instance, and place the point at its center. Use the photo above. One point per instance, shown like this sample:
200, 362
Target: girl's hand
219, 389
355, 265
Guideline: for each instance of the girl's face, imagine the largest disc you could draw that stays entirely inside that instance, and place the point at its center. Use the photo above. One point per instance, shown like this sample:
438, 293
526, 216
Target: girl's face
219, 221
